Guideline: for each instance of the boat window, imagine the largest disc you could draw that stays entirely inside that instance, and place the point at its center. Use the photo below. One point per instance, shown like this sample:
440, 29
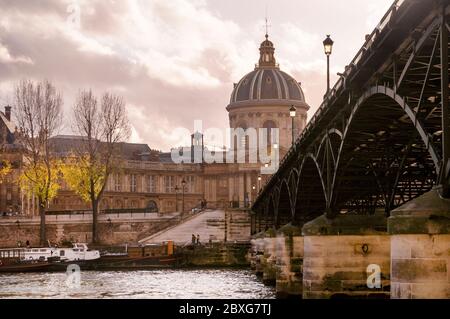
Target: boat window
43, 250
62, 252
35, 250
81, 250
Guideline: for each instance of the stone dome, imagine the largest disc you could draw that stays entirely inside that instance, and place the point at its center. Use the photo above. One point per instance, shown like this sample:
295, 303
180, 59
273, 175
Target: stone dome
267, 83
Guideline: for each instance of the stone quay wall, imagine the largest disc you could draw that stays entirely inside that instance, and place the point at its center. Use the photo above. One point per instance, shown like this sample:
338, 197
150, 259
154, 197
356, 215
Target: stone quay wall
216, 255
114, 232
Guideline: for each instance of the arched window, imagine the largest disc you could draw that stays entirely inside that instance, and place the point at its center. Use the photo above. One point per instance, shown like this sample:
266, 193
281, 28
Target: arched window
118, 204
134, 204
104, 204
269, 125
242, 139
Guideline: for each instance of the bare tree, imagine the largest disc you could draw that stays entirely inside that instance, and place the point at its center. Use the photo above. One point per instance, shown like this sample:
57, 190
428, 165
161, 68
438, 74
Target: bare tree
101, 128
38, 118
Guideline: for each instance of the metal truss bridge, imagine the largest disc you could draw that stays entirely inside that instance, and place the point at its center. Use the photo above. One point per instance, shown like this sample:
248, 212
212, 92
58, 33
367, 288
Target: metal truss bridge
382, 134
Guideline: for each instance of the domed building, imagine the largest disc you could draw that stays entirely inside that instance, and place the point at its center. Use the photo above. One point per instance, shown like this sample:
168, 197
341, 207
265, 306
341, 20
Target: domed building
264, 97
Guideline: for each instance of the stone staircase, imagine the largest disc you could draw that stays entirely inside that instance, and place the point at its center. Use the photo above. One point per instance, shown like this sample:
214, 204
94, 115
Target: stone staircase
208, 224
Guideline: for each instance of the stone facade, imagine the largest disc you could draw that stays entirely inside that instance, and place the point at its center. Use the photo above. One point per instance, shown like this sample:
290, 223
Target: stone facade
10, 151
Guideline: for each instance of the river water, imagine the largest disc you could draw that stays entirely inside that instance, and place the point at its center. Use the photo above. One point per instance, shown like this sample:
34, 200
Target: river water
154, 284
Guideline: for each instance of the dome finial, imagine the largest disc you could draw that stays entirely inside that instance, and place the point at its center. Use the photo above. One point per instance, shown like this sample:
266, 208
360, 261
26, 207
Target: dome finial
267, 51
267, 26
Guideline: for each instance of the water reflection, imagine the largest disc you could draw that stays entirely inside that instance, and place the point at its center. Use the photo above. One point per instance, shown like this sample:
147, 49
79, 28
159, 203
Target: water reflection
164, 284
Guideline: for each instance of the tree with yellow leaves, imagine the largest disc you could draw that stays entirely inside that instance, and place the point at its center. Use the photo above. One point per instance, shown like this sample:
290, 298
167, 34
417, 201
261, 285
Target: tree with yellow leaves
79, 175
102, 127
38, 118
41, 180
5, 170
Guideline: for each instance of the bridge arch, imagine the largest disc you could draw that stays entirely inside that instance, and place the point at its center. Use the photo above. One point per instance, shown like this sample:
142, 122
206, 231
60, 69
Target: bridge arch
334, 137
283, 214
381, 131
269, 212
311, 196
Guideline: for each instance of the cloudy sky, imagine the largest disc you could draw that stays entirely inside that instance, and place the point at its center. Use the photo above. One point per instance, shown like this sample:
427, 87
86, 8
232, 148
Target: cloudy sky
174, 61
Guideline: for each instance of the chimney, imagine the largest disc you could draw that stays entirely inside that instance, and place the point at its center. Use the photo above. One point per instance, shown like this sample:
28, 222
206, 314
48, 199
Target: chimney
8, 112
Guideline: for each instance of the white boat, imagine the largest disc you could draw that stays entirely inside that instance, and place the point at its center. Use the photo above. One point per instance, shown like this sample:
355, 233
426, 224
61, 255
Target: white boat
78, 252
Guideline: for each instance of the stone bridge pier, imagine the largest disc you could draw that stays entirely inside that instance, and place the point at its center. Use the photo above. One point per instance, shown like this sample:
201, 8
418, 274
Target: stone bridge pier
341, 253
289, 262
268, 259
420, 248
404, 256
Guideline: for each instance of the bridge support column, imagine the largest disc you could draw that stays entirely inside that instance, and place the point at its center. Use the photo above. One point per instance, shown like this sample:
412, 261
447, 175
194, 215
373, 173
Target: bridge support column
289, 262
341, 254
268, 259
256, 251
420, 248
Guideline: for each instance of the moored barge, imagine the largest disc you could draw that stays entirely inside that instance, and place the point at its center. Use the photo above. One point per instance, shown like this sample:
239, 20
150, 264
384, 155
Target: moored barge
134, 258
12, 261
51, 259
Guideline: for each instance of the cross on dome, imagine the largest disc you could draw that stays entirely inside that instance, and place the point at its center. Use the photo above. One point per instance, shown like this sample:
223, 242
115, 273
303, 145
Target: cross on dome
267, 54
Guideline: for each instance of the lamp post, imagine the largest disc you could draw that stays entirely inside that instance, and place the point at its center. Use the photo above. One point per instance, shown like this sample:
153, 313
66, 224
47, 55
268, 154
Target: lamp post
293, 114
259, 183
183, 182
328, 47
176, 197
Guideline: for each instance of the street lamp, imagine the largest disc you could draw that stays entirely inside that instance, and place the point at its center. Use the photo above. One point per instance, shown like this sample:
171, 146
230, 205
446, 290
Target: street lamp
259, 182
176, 197
293, 114
183, 182
328, 47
